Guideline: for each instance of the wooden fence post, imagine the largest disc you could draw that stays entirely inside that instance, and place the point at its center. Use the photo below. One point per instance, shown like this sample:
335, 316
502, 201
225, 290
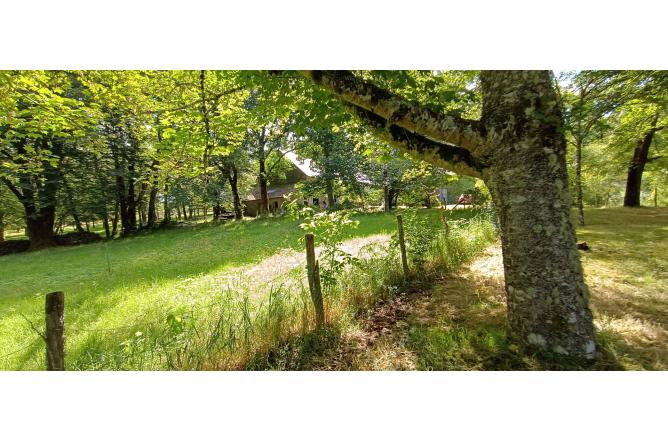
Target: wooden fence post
313, 269
402, 245
55, 331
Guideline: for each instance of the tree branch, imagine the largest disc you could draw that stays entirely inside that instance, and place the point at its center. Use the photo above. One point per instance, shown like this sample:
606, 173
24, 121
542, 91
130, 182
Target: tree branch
12, 188
441, 154
399, 111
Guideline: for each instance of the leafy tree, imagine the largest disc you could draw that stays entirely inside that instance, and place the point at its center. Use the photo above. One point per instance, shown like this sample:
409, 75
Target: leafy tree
589, 97
333, 156
11, 212
518, 148
43, 117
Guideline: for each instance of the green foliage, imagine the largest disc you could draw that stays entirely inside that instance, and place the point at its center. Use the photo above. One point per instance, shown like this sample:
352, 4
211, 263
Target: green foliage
420, 234
329, 229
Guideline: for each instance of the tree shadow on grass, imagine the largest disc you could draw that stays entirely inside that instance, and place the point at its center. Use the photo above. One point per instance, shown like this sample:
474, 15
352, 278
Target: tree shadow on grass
461, 325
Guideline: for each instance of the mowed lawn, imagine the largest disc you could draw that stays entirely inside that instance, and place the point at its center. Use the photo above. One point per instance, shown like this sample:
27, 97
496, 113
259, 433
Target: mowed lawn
627, 273
137, 279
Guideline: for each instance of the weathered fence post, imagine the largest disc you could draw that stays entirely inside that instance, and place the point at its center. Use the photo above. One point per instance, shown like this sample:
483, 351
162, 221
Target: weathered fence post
55, 331
402, 245
444, 220
314, 281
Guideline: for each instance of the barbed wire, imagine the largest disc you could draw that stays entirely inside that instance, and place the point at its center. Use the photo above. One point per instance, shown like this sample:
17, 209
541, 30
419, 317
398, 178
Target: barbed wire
5, 356
162, 317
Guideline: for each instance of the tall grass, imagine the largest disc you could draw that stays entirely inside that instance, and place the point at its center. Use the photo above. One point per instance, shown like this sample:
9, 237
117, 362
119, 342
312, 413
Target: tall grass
244, 322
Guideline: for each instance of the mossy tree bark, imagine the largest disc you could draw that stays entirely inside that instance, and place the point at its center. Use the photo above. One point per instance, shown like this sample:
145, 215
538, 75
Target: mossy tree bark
518, 148
547, 297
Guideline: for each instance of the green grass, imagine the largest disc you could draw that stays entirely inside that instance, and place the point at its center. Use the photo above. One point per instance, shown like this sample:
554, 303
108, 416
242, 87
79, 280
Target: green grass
460, 325
162, 292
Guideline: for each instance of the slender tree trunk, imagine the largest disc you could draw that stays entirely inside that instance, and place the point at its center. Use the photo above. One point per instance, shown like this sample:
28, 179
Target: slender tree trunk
2, 226
121, 197
656, 195
233, 179
130, 224
69, 203
114, 223
105, 223
167, 219
153, 196
264, 198
329, 185
262, 178
547, 298
387, 198
141, 204
637, 167
152, 200
578, 181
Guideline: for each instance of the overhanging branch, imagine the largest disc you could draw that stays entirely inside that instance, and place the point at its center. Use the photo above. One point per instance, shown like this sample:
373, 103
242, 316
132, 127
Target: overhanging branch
447, 156
398, 111
12, 188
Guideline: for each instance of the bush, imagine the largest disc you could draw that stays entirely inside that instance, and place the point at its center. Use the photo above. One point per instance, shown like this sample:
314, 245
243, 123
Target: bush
330, 228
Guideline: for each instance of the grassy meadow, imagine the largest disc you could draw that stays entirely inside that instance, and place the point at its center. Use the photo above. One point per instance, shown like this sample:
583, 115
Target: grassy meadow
173, 298
234, 296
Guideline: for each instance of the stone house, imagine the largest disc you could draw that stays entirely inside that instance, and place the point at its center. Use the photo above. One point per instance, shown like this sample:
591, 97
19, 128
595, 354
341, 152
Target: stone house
278, 191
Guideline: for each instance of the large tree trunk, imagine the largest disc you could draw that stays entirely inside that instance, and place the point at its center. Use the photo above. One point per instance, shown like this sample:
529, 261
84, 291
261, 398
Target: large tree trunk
518, 148
578, 181
547, 298
637, 167
39, 227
